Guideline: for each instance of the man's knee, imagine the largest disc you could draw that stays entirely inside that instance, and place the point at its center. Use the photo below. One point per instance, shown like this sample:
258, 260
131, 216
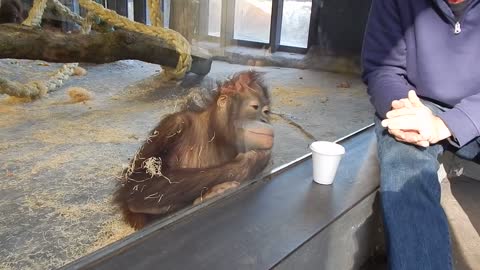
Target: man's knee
407, 167
413, 188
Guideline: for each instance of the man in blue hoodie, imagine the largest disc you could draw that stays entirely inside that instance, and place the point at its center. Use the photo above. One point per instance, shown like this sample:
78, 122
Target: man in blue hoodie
420, 64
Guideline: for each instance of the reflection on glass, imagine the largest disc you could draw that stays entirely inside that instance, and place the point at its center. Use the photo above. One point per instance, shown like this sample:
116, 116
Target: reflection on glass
166, 13
252, 20
130, 9
214, 17
295, 23
60, 175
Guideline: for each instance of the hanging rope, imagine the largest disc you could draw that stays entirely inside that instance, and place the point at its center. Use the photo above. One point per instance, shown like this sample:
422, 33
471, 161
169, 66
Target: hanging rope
66, 12
88, 22
72, 16
35, 14
156, 17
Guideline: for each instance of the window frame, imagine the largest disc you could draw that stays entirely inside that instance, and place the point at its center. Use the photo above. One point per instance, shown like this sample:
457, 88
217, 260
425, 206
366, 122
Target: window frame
227, 27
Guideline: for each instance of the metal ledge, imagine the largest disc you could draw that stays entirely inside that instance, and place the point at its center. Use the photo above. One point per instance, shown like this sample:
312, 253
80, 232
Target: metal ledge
258, 227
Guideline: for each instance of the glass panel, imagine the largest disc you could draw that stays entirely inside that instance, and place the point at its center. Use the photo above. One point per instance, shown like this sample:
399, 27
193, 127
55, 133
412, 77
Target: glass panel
295, 23
58, 177
214, 17
252, 20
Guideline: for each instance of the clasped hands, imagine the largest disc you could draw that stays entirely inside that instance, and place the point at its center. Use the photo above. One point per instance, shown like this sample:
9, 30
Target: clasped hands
412, 122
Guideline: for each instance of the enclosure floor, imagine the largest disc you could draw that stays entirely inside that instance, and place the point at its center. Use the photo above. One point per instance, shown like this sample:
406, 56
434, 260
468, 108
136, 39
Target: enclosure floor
60, 161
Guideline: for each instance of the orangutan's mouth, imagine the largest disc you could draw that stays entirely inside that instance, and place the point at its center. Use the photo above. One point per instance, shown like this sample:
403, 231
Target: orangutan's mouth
269, 134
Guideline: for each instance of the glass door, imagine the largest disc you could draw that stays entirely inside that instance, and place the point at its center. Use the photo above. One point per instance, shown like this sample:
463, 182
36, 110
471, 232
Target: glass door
214, 18
295, 23
252, 20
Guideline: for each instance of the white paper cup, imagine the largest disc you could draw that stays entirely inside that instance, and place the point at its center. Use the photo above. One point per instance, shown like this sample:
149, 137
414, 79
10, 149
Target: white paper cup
326, 156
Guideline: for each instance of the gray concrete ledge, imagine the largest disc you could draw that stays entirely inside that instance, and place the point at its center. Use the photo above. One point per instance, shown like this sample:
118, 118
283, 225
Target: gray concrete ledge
266, 224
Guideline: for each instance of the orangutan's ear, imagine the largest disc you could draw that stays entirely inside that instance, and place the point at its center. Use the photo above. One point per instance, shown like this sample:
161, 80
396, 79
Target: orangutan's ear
222, 101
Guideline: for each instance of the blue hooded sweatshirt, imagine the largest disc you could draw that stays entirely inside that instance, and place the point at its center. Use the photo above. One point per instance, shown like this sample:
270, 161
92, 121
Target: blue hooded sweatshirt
419, 45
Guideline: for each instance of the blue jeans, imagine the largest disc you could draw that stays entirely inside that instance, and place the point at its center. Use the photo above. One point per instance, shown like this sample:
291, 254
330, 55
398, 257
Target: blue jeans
416, 227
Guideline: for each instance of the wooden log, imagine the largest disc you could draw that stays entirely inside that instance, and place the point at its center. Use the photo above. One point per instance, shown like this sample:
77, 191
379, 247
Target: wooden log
24, 42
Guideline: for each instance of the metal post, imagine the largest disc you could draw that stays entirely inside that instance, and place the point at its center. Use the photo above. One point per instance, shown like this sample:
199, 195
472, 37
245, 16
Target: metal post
228, 20
203, 18
313, 29
276, 25
140, 11
122, 7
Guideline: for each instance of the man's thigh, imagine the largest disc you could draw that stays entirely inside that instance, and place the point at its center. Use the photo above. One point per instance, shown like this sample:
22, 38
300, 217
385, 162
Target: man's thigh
470, 151
403, 163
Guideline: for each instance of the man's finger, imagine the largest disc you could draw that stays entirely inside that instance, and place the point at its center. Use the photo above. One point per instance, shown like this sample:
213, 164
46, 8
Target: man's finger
401, 112
409, 136
423, 144
406, 122
398, 134
413, 137
397, 104
412, 140
406, 102
412, 96
401, 103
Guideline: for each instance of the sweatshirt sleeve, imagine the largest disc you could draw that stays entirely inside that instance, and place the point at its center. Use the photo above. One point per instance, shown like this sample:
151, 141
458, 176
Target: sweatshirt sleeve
463, 119
384, 56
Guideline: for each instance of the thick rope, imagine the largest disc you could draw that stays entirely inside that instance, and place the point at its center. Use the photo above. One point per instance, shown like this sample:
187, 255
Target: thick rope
31, 89
156, 17
88, 22
65, 11
72, 16
60, 76
171, 37
35, 14
36, 89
